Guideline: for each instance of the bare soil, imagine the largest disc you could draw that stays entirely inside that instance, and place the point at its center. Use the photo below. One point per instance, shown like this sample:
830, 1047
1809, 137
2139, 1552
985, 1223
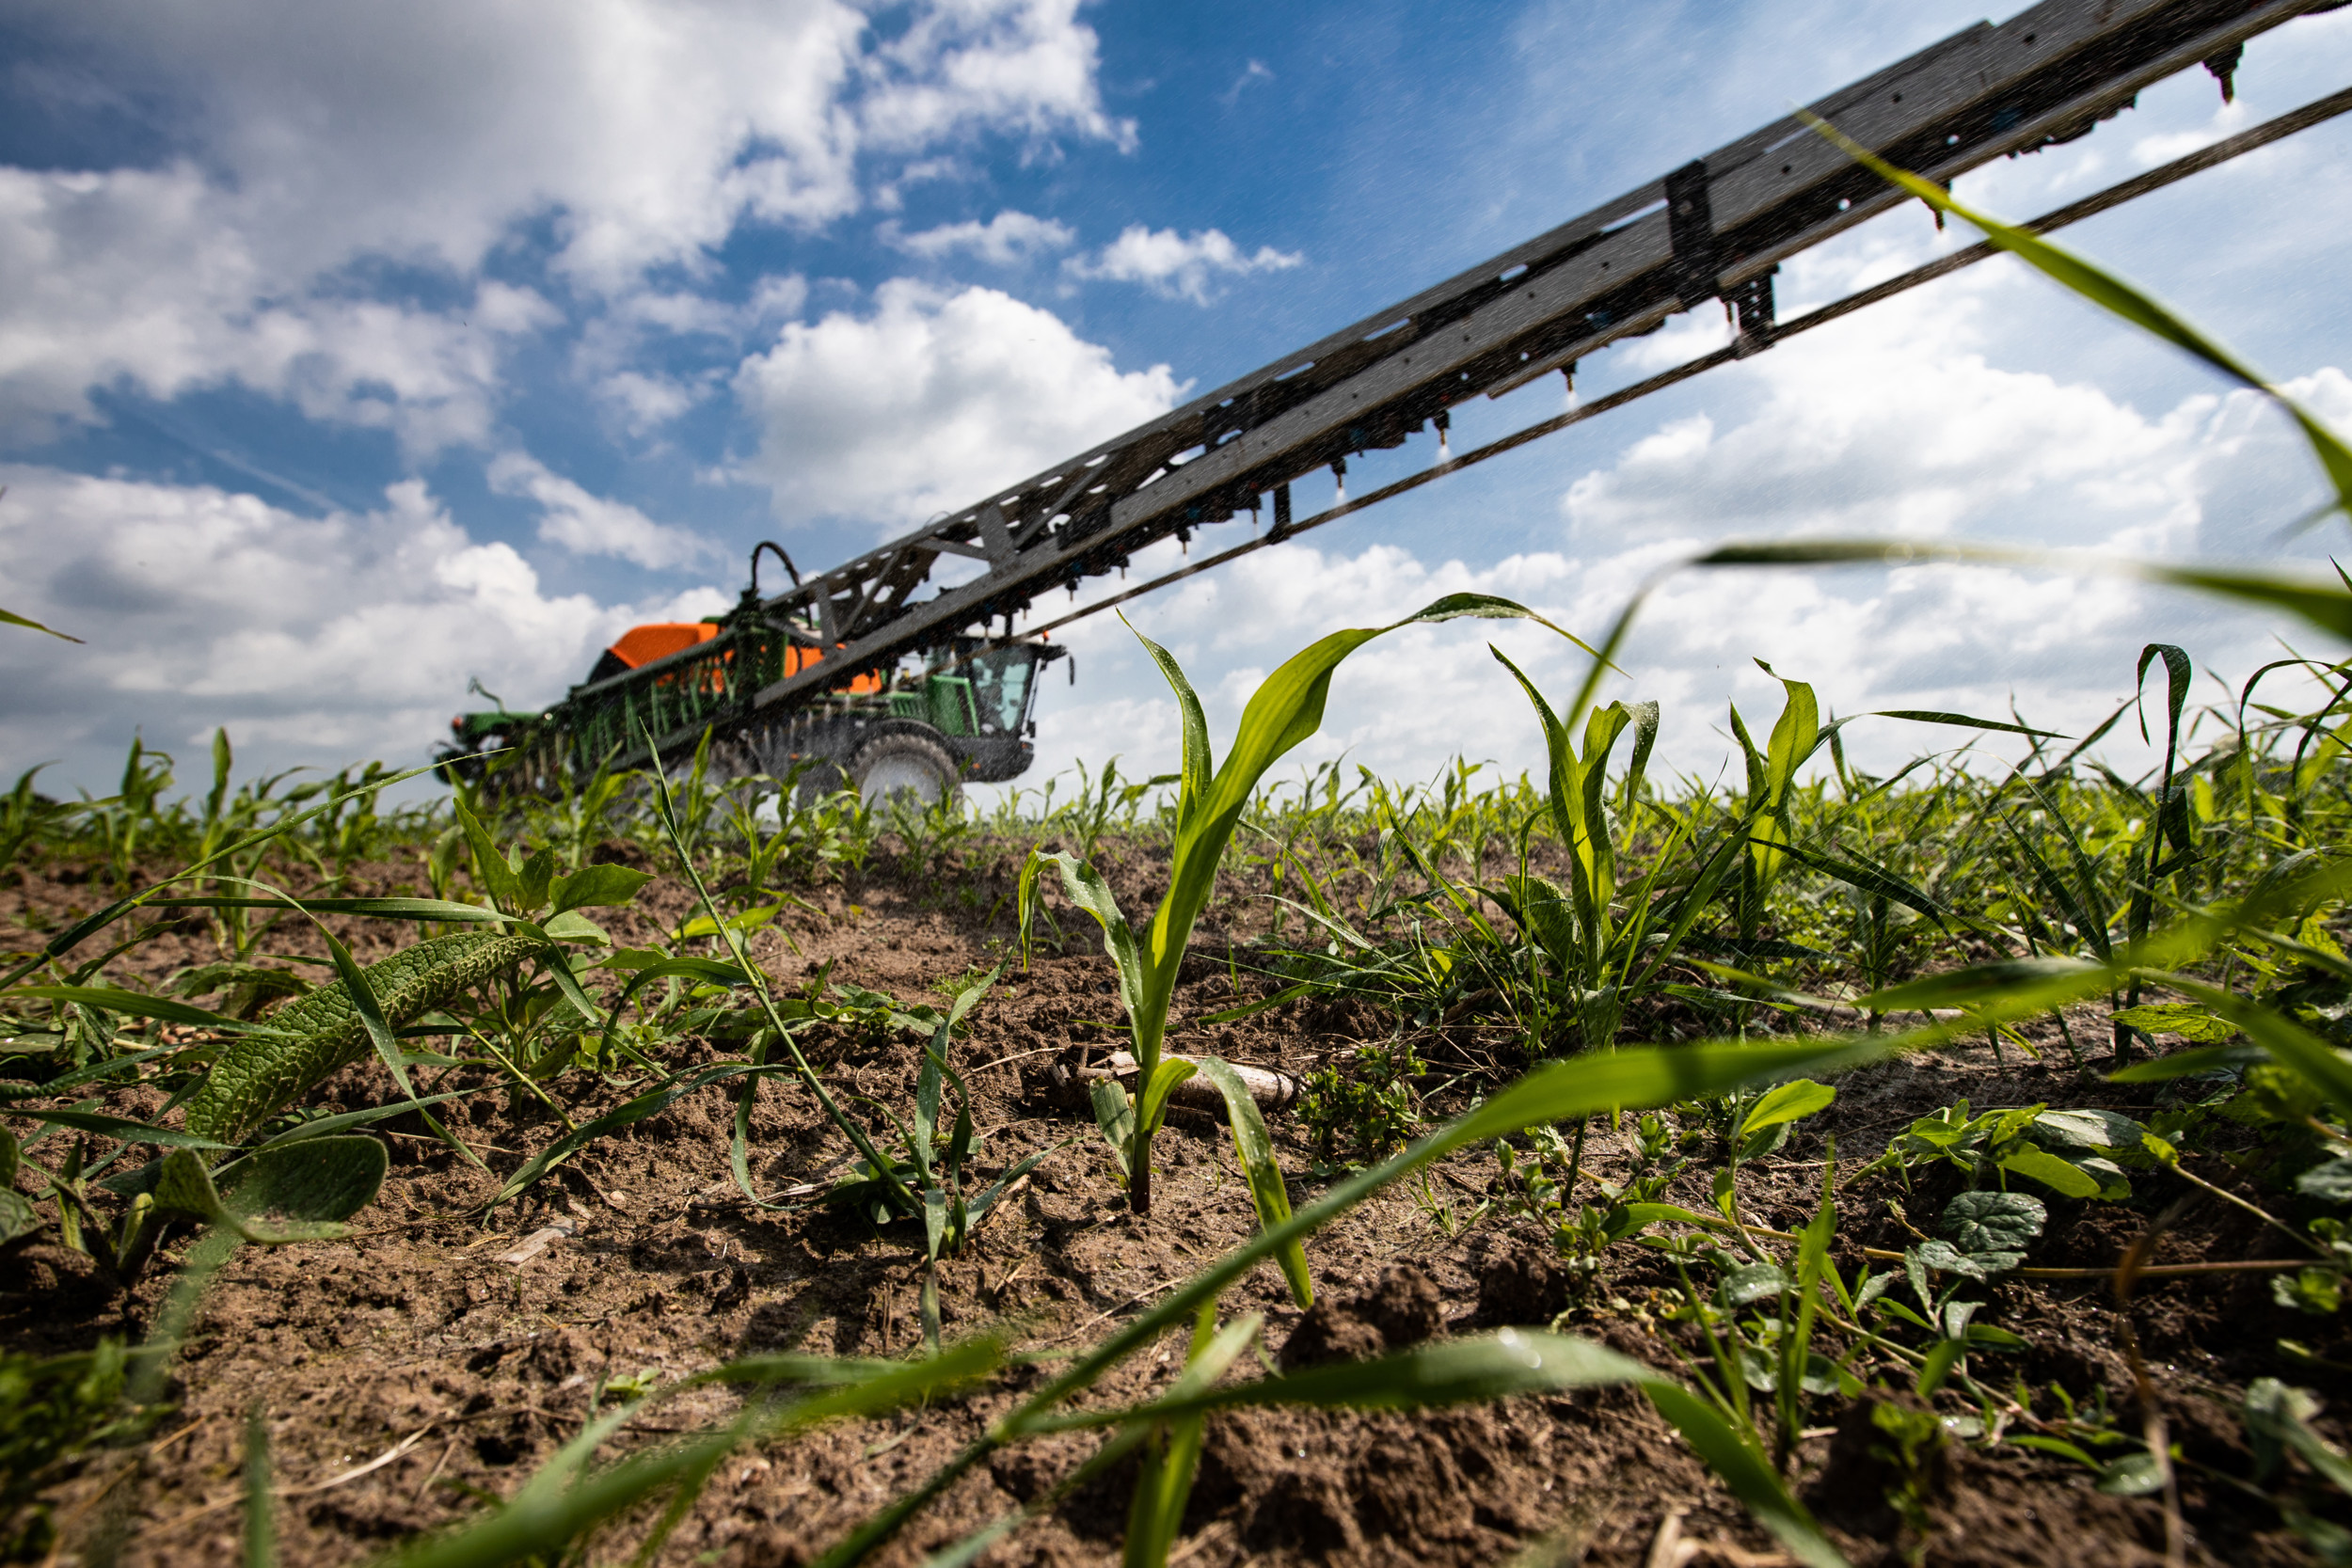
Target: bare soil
431, 1360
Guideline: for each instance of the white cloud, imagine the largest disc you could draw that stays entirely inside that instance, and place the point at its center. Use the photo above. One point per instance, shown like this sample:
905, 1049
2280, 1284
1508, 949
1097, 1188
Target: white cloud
930, 403
1174, 267
1004, 64
1251, 74
315, 640
590, 525
316, 139
136, 277
1002, 240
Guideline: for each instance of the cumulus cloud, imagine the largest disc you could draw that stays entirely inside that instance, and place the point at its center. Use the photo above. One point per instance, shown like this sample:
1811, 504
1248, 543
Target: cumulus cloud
637, 134
134, 277
591, 525
1002, 240
930, 403
311, 639
1177, 266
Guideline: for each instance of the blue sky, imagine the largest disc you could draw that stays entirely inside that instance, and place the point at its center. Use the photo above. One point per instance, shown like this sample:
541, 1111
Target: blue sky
350, 356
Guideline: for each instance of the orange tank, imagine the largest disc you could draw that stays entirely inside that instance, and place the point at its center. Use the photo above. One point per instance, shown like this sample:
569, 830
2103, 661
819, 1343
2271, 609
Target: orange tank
641, 646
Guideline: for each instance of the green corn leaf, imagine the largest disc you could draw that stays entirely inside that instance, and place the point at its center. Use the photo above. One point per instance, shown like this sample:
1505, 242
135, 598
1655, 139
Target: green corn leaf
2322, 604
382, 909
1172, 1454
2186, 1064
1507, 1363
1926, 716
2111, 294
1857, 871
493, 873
317, 1035
1115, 1115
289, 1193
1734, 1459
1541, 909
2020, 987
1193, 782
9, 618
119, 1127
1255, 1149
131, 1003
1152, 1101
564, 1499
1084, 886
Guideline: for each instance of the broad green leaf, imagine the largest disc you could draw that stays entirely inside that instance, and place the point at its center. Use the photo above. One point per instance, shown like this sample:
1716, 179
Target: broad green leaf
2006, 988
2177, 1018
1791, 1102
1084, 887
2134, 1475
2278, 1415
596, 887
2329, 1181
2052, 1172
1198, 762
1754, 1282
288, 1192
572, 925
1993, 1222
1255, 1149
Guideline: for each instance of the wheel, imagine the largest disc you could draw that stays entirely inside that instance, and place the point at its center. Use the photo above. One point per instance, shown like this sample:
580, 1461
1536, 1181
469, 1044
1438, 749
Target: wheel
905, 765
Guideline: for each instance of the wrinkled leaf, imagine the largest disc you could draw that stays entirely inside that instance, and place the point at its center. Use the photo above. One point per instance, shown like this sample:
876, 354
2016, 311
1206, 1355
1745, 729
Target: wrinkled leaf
1994, 1222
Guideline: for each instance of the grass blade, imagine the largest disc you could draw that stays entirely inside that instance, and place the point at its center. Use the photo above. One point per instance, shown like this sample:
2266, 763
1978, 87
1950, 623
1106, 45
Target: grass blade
1255, 1149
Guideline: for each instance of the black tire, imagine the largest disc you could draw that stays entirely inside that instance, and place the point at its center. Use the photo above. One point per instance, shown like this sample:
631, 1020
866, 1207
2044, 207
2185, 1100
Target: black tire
905, 764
